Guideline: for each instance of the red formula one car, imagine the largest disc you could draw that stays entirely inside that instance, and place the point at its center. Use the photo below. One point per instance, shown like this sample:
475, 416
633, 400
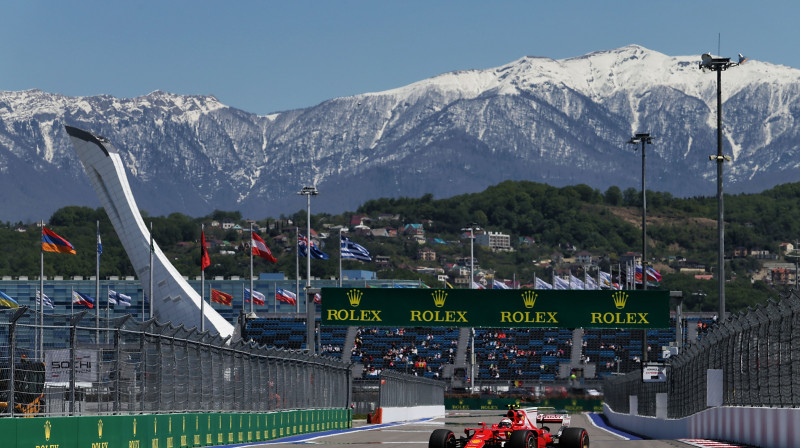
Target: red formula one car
517, 430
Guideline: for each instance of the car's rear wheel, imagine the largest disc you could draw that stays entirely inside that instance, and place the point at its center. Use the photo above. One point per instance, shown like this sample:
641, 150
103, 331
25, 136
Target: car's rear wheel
442, 438
574, 438
522, 439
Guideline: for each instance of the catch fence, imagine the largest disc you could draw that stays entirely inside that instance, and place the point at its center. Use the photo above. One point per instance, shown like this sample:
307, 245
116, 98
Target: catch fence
758, 351
128, 367
394, 389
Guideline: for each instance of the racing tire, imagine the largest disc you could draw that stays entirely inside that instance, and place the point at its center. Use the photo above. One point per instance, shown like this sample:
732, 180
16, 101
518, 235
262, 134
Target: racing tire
522, 439
574, 438
442, 438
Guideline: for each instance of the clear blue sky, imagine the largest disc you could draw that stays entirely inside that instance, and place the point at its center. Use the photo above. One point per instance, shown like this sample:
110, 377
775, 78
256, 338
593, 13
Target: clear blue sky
268, 56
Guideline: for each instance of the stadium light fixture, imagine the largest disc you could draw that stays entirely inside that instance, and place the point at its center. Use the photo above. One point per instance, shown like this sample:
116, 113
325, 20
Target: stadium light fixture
310, 311
644, 139
719, 65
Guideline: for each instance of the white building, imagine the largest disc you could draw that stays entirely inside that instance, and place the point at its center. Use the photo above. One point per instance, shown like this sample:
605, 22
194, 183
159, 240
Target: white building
494, 240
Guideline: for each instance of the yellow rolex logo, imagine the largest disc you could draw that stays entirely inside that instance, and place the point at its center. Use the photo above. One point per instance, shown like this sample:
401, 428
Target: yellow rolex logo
100, 429
529, 298
439, 296
620, 298
354, 296
47, 428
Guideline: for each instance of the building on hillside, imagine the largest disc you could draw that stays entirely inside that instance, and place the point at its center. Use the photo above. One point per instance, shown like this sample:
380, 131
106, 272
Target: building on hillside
583, 258
786, 247
413, 229
631, 257
426, 254
780, 276
494, 240
382, 261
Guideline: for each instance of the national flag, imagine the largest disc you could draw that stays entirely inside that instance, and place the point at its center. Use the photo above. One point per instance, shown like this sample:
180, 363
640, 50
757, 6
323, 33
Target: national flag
318, 298
476, 285
653, 275
51, 242
541, 284
205, 260
575, 282
499, 285
99, 244
315, 252
221, 297
351, 249
43, 300
591, 283
7, 302
560, 283
80, 298
258, 298
285, 296
118, 299
260, 248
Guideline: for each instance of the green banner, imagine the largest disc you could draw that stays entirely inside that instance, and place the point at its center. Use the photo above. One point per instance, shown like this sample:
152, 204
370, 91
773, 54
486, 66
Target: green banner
403, 307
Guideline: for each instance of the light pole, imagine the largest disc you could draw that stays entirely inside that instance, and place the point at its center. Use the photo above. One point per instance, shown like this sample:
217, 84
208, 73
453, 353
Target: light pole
471, 229
308, 192
644, 139
719, 65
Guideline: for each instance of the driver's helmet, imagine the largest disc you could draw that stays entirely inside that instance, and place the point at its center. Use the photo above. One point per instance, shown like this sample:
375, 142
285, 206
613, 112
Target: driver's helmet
504, 423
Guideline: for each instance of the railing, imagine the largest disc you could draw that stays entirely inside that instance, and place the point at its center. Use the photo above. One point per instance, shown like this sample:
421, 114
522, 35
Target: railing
756, 350
128, 367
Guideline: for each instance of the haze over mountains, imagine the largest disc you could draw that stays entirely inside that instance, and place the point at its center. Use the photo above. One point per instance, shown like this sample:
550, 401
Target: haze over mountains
560, 122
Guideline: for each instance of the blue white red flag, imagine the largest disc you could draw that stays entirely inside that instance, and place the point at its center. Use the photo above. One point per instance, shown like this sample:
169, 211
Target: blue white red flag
258, 298
80, 298
499, 285
285, 295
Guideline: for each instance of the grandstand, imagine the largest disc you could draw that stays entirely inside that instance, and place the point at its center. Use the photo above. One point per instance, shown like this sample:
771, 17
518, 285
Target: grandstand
528, 356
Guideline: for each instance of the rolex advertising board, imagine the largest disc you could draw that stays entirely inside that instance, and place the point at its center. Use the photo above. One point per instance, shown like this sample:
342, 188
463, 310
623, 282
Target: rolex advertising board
404, 307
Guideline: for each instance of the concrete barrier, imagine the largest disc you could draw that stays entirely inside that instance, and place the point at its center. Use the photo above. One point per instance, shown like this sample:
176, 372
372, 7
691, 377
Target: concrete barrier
389, 415
762, 427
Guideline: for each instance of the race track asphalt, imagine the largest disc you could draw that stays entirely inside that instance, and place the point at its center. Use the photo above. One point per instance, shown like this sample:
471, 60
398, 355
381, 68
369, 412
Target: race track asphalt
415, 434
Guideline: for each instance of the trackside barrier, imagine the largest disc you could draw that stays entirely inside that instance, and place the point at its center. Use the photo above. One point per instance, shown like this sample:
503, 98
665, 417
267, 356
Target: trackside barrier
407, 397
167, 430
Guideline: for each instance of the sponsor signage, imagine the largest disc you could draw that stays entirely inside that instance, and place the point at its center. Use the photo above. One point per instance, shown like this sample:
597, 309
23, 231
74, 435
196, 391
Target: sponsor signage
654, 373
404, 307
58, 365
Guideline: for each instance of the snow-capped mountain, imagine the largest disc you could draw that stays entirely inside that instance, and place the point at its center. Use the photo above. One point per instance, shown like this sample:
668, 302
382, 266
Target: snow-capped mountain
560, 122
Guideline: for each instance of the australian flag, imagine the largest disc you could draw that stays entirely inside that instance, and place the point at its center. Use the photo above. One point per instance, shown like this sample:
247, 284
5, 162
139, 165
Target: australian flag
315, 252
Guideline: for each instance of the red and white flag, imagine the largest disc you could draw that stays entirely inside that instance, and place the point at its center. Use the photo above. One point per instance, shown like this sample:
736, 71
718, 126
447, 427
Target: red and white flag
260, 248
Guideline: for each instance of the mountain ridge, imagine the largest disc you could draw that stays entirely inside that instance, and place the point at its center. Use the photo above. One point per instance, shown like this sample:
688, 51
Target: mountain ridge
561, 122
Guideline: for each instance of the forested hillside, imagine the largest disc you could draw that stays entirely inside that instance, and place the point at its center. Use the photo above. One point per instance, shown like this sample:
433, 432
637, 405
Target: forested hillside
563, 220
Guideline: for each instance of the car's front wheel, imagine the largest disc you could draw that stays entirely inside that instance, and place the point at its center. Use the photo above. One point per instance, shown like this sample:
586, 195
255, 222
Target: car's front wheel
442, 438
574, 438
522, 439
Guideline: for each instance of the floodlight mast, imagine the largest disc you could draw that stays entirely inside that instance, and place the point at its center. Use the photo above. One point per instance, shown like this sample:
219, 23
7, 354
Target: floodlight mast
719, 65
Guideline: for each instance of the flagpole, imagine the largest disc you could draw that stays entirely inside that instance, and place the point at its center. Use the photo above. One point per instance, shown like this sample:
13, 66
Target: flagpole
203, 280
72, 301
97, 287
251, 299
152, 249
340, 257
251, 270
40, 305
296, 266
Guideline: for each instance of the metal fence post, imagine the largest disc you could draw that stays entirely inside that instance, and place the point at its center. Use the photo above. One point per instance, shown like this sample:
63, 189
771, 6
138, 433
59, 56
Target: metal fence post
12, 346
